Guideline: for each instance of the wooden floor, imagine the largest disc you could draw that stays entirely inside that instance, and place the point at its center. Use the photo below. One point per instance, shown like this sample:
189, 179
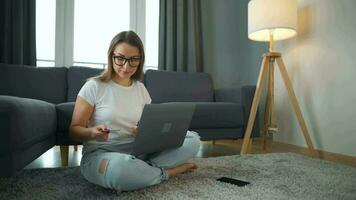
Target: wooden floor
221, 148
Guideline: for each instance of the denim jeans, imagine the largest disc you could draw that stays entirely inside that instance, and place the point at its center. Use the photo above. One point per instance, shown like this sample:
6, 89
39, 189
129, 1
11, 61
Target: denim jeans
124, 172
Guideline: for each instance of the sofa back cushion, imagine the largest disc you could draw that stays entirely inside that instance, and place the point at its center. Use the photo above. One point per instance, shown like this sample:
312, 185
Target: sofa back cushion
76, 78
43, 83
166, 86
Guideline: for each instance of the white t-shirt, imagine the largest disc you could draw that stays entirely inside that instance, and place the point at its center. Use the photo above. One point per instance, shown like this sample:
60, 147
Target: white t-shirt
116, 106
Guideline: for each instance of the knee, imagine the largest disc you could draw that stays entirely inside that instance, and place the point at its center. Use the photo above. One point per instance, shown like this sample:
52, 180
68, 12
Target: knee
115, 171
129, 174
102, 166
118, 167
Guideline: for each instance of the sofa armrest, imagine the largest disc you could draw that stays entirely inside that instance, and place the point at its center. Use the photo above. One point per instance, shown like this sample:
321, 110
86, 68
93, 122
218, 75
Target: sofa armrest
24, 122
248, 92
243, 96
232, 95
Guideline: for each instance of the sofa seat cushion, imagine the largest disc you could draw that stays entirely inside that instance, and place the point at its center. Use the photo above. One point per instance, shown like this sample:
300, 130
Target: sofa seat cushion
217, 115
64, 116
220, 133
206, 115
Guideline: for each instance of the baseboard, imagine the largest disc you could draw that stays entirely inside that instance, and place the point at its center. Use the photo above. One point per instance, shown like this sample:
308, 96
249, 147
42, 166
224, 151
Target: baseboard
345, 159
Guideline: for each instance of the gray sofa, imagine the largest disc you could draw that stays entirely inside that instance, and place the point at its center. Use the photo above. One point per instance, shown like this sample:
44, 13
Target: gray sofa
36, 106
219, 113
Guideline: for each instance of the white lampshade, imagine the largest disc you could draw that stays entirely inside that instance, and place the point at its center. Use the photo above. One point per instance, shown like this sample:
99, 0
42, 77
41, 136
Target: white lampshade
277, 16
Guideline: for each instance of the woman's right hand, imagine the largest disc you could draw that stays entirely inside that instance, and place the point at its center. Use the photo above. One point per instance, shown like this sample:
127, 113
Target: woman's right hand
134, 131
100, 133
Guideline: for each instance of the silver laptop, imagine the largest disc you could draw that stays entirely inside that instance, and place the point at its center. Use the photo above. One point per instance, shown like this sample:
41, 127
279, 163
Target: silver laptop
162, 126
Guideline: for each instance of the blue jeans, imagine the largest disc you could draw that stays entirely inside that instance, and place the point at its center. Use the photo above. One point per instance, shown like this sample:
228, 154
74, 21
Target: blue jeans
124, 172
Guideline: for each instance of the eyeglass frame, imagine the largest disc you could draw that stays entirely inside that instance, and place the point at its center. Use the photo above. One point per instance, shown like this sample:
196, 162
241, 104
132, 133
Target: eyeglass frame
127, 59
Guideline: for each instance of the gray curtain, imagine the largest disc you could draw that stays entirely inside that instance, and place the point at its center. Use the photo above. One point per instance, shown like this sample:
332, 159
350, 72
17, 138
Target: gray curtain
180, 47
18, 32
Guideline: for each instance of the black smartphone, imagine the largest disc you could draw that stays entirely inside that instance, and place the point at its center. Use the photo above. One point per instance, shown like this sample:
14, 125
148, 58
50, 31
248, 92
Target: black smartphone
233, 181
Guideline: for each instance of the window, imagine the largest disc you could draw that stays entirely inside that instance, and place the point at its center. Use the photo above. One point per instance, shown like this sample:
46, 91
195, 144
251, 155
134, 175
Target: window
95, 24
45, 32
79, 33
152, 21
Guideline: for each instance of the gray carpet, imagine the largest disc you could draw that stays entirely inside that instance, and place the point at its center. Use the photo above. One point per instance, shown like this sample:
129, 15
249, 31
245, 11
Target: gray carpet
272, 176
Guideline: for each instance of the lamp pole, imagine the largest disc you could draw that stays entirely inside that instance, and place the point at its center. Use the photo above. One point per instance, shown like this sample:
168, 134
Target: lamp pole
271, 40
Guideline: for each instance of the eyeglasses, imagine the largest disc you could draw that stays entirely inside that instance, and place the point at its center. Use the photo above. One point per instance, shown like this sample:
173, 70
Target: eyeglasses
121, 61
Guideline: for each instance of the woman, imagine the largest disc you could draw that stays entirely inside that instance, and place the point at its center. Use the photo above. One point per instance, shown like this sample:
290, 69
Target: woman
115, 100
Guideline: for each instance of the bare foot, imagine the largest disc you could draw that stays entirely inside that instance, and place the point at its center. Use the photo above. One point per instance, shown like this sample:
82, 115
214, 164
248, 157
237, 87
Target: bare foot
186, 167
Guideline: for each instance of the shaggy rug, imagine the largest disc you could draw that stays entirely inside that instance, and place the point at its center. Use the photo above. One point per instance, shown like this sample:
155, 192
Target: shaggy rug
272, 176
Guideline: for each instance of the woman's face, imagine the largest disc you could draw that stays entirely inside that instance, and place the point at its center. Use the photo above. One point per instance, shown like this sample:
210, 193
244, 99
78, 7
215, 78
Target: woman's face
126, 59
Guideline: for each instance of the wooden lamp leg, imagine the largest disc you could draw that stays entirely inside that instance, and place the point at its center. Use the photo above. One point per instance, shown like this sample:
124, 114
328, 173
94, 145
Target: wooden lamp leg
273, 124
296, 107
266, 122
255, 102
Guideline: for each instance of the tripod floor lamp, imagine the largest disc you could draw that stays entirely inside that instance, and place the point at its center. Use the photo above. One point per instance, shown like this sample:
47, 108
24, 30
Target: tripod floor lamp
268, 21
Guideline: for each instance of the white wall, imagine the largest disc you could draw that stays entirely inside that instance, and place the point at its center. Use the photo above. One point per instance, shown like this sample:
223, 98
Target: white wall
321, 62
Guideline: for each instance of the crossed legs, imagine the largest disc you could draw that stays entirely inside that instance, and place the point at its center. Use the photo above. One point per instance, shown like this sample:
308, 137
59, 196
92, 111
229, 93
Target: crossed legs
124, 172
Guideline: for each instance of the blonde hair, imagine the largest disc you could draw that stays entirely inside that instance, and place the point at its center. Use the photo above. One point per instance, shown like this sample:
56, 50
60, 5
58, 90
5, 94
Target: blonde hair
132, 39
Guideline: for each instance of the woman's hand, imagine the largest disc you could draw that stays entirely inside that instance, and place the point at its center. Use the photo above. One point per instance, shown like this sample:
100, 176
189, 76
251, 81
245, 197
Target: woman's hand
134, 131
100, 133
